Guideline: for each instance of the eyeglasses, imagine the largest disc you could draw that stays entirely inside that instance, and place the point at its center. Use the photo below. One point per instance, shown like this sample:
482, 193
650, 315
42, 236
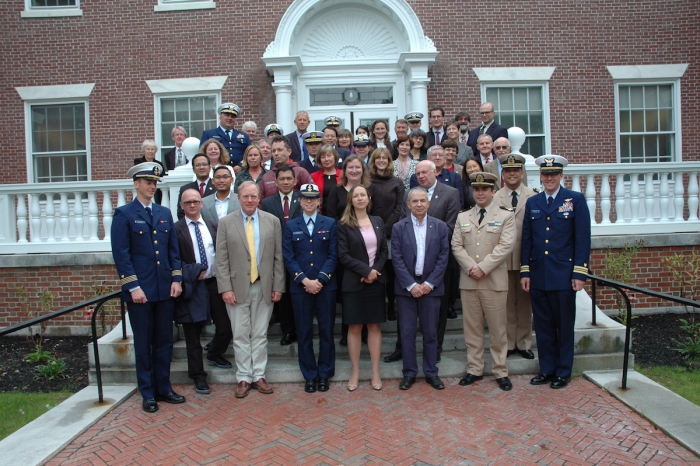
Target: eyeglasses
200, 165
486, 113
502, 147
191, 202
222, 177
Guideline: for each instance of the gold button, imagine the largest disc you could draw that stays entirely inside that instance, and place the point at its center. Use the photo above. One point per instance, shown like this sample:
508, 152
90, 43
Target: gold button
547, 218
547, 228
122, 276
311, 252
157, 252
158, 262
478, 231
155, 232
155, 242
140, 232
477, 244
546, 241
546, 252
312, 265
311, 241
477, 256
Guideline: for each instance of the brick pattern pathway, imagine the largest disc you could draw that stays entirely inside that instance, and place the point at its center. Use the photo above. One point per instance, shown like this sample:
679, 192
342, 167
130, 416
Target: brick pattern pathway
460, 425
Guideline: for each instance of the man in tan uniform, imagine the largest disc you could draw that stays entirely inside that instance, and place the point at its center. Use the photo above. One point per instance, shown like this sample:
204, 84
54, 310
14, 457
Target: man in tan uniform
519, 311
483, 239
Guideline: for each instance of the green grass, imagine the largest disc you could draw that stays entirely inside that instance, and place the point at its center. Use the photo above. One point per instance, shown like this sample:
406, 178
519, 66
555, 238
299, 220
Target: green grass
18, 409
677, 379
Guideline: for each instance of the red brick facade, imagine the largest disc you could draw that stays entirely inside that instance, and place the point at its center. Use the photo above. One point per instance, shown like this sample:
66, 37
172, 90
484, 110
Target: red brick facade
119, 45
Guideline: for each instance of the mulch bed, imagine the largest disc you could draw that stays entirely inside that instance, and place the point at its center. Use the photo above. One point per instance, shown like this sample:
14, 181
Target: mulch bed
652, 339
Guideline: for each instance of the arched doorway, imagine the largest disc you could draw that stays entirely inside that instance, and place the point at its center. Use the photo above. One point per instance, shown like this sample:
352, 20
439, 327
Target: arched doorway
359, 60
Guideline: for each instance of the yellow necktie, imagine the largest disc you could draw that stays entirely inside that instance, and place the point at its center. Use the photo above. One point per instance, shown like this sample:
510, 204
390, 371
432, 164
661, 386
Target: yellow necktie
250, 236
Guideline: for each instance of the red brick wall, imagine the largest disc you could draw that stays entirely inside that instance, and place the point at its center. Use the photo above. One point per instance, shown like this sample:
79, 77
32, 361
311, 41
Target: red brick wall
120, 45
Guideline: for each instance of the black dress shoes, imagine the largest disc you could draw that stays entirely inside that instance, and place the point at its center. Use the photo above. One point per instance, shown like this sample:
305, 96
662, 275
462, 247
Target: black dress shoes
323, 384
435, 382
288, 339
202, 387
451, 313
310, 386
393, 357
391, 315
149, 405
172, 398
470, 379
560, 382
343, 341
504, 384
541, 379
219, 362
207, 346
526, 353
407, 382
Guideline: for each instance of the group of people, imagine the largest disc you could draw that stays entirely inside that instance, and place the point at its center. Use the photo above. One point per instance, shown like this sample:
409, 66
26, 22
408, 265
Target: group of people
388, 231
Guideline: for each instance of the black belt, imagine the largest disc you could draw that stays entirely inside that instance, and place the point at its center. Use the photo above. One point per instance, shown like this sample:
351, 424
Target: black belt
418, 278
210, 279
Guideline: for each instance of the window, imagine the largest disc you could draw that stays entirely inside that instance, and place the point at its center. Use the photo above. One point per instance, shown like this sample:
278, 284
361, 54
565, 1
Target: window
178, 5
57, 132
352, 96
51, 8
648, 112
520, 97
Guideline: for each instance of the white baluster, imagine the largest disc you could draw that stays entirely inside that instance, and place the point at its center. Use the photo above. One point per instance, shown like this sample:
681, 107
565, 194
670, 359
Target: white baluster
634, 197
605, 198
21, 218
92, 215
678, 192
36, 218
620, 198
576, 183
590, 196
692, 196
165, 201
65, 219
649, 199
663, 196
78, 219
107, 214
121, 198
50, 218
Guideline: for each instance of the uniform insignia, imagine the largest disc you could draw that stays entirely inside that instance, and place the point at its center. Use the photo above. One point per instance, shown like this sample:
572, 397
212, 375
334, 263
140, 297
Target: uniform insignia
162, 221
495, 223
322, 232
568, 206
537, 190
156, 170
549, 162
535, 211
510, 209
465, 224
297, 232
479, 178
241, 137
139, 221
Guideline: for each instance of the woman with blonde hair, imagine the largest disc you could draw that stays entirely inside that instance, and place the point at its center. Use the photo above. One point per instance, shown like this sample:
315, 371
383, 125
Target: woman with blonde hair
253, 169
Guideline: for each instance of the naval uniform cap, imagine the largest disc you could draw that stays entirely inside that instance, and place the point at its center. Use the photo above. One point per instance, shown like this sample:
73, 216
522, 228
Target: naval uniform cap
413, 117
229, 107
551, 163
272, 128
146, 170
309, 190
333, 120
483, 179
361, 140
313, 136
512, 161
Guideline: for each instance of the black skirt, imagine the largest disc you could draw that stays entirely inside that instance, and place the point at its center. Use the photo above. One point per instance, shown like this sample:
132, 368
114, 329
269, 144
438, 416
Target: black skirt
366, 306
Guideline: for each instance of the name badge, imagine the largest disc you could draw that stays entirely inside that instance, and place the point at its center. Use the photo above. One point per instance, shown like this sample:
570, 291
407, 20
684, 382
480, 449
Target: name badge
139, 221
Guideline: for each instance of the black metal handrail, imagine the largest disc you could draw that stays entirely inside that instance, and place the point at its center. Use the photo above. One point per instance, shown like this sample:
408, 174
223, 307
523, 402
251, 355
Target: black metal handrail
623, 288
98, 301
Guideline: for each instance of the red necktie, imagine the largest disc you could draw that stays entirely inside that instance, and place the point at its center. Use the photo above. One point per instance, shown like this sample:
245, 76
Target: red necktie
201, 189
437, 138
286, 208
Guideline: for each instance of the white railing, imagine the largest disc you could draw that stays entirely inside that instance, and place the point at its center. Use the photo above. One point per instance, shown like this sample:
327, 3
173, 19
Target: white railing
622, 198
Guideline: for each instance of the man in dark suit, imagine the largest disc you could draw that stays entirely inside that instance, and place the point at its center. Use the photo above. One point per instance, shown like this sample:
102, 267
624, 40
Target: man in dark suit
400, 129
488, 126
234, 141
296, 141
313, 141
147, 257
436, 154
419, 251
308, 239
556, 246
436, 134
176, 156
285, 207
201, 165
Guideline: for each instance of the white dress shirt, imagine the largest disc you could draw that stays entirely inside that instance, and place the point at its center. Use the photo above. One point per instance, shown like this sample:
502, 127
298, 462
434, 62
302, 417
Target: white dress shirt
221, 206
208, 244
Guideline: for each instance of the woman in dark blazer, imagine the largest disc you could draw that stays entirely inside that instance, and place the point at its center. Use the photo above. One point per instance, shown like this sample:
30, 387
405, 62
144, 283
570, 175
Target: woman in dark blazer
362, 250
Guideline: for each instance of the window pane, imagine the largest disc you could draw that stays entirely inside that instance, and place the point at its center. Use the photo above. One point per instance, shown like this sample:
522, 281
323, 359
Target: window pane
650, 97
508, 120
624, 97
625, 147
195, 114
636, 97
522, 107
637, 149
505, 100
520, 98
536, 146
665, 120
652, 118
167, 109
625, 123
492, 95
182, 109
521, 121
651, 150
536, 123
379, 95
59, 142
637, 121
666, 96
535, 98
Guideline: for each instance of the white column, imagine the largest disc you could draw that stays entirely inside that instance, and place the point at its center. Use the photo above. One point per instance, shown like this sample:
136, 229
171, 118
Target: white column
416, 65
285, 70
283, 99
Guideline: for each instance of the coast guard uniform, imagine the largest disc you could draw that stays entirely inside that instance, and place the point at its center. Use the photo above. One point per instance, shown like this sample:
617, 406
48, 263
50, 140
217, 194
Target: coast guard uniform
235, 143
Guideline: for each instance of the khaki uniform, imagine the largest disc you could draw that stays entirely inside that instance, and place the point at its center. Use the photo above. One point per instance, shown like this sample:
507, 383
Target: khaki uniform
518, 307
488, 245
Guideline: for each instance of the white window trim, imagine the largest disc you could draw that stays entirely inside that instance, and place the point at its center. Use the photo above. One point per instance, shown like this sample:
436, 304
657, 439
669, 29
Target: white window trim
638, 75
521, 77
69, 94
50, 11
181, 5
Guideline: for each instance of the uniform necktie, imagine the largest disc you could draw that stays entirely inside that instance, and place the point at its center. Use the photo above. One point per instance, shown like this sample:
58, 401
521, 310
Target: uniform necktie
549, 201
482, 212
200, 246
228, 134
150, 212
201, 189
180, 161
482, 130
286, 208
310, 226
514, 200
250, 236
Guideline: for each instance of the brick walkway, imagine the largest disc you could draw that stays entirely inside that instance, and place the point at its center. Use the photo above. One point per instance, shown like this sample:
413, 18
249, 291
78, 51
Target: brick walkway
459, 425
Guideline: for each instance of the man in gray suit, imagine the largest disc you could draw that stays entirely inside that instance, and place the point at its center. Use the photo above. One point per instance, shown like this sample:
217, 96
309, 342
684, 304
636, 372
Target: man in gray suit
221, 204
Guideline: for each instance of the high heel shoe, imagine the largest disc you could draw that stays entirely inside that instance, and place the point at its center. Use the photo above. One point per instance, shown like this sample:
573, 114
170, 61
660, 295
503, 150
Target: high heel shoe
351, 387
377, 386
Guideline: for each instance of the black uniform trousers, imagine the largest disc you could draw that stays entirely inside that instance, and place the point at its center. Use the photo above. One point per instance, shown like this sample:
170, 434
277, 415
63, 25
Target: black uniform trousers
222, 324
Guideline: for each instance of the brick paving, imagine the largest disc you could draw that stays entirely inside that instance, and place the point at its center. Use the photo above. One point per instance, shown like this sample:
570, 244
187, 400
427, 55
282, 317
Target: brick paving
459, 425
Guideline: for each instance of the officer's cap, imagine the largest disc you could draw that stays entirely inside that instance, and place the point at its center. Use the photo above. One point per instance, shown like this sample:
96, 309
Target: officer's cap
483, 179
361, 140
551, 163
229, 108
512, 161
146, 170
273, 128
413, 117
313, 136
333, 121
309, 190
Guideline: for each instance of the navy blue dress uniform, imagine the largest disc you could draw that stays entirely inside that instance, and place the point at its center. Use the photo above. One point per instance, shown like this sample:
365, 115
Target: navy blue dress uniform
313, 256
556, 243
147, 256
236, 143
310, 138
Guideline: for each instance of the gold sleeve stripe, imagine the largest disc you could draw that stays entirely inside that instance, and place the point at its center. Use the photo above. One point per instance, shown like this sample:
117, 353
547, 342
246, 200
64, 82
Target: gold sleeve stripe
579, 269
177, 273
129, 279
327, 275
524, 269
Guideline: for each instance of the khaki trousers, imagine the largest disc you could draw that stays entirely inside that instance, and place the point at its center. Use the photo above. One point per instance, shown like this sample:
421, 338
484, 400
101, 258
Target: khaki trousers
490, 306
519, 314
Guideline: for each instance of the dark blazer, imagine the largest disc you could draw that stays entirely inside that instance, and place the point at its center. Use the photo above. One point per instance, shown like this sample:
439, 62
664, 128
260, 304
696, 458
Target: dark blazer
352, 255
294, 143
343, 153
444, 206
404, 254
235, 146
169, 158
273, 205
208, 191
194, 305
430, 136
308, 166
495, 131
449, 178
310, 256
185, 239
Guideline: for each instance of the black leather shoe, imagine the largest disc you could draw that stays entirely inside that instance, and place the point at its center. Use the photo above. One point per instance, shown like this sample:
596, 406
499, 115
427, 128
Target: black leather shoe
560, 382
407, 382
438, 358
288, 339
323, 385
451, 313
207, 346
526, 353
391, 315
393, 357
172, 398
504, 384
541, 379
310, 386
470, 379
149, 405
219, 362
511, 352
343, 341
435, 382
202, 387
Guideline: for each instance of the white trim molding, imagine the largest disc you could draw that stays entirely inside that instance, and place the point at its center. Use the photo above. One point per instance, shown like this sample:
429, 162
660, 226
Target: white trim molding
50, 11
188, 85
525, 73
647, 72
58, 92
175, 5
